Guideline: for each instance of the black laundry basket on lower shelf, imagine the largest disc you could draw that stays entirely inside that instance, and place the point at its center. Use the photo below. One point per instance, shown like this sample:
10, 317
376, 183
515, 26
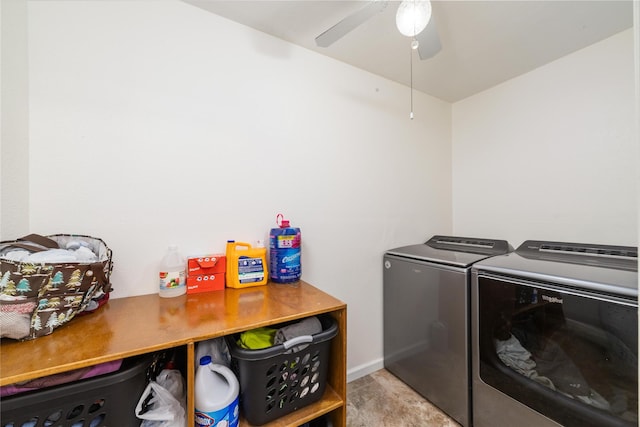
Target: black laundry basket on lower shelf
108, 400
280, 379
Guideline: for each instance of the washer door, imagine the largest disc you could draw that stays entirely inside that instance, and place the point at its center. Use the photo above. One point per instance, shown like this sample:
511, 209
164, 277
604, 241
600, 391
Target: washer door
425, 331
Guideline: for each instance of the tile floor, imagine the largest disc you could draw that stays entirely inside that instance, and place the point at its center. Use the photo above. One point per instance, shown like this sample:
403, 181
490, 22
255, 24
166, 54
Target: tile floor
382, 400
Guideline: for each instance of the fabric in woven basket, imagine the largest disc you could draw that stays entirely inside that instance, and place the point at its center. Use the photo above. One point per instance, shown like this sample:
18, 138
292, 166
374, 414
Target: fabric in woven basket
37, 296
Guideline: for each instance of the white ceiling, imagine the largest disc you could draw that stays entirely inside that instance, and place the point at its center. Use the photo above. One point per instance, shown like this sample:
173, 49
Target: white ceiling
483, 42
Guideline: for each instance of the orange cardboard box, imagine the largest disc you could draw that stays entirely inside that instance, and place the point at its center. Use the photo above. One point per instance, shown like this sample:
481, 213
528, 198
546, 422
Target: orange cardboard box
205, 283
206, 264
206, 273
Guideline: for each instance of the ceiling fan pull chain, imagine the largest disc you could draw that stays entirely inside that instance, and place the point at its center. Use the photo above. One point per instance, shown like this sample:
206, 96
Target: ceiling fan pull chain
411, 80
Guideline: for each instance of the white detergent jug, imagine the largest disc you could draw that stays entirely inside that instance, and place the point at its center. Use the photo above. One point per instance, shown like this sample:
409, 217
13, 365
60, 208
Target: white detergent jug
216, 395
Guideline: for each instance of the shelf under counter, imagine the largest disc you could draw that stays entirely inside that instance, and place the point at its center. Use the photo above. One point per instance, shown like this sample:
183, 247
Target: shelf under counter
330, 401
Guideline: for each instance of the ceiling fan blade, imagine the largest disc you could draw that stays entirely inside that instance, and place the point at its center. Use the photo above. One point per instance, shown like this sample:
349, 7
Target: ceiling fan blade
429, 41
349, 23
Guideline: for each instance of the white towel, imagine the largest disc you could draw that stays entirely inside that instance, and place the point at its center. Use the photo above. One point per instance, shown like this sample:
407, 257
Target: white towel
52, 256
16, 255
83, 254
80, 254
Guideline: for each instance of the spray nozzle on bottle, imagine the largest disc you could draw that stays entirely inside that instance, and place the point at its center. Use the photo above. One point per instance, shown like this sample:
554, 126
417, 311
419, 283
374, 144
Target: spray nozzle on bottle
282, 223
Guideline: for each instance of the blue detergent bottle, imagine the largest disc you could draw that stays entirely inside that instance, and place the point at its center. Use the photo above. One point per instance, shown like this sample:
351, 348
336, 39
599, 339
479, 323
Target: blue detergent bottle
285, 243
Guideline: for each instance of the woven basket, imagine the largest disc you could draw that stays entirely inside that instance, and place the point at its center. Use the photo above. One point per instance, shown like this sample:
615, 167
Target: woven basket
36, 298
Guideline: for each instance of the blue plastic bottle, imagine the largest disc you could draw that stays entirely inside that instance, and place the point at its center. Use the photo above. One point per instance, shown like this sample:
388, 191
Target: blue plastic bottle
285, 252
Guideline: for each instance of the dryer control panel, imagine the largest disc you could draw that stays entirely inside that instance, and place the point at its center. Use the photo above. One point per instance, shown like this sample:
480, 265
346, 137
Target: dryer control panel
469, 244
609, 256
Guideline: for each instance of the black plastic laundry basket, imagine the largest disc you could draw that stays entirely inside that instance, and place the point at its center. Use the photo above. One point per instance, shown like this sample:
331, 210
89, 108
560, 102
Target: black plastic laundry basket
104, 401
278, 380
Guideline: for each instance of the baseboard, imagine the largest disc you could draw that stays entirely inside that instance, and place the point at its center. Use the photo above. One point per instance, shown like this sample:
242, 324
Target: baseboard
365, 369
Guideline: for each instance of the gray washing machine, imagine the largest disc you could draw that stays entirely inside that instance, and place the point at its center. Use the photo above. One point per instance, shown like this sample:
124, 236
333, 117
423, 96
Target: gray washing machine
426, 317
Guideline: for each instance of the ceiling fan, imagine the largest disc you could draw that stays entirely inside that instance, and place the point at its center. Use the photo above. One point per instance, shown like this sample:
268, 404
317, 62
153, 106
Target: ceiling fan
413, 19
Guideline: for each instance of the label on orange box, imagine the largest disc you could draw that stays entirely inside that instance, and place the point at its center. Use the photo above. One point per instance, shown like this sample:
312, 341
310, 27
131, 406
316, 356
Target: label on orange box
205, 283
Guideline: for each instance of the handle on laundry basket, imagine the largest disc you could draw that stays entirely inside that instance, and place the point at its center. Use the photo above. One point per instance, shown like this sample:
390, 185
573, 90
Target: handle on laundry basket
302, 339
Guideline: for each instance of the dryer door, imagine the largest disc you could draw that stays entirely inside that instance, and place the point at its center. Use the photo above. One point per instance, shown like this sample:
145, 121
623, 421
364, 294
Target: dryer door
569, 354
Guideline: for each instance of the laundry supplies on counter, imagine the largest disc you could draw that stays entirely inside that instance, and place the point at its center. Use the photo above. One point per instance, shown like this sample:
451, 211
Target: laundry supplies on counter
206, 273
285, 243
246, 265
173, 273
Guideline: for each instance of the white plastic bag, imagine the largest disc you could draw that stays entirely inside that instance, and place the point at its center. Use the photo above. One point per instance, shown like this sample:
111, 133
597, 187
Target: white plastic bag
216, 348
164, 400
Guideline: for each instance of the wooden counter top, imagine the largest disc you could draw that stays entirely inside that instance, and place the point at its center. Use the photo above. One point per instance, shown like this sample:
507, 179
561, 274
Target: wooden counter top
132, 326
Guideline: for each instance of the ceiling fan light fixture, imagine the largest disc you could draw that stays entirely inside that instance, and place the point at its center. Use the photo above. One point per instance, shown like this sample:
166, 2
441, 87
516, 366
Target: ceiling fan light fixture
413, 16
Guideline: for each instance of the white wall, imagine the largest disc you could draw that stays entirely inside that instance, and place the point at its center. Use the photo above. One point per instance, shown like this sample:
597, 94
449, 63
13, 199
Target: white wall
636, 45
552, 154
155, 122
14, 114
